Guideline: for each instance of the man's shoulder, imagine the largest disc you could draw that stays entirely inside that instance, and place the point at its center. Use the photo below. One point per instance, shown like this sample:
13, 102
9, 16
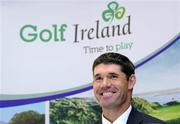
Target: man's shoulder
142, 118
150, 119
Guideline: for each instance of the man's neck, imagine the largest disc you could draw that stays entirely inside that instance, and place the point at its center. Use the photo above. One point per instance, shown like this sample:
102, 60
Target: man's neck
114, 113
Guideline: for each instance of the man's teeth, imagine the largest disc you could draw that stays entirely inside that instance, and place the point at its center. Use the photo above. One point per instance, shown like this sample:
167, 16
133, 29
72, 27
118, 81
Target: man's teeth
107, 93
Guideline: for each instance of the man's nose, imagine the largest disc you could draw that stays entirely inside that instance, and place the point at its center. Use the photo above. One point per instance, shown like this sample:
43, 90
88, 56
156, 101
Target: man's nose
106, 82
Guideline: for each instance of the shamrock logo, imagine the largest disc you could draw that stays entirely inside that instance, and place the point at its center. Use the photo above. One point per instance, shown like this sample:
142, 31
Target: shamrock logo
113, 11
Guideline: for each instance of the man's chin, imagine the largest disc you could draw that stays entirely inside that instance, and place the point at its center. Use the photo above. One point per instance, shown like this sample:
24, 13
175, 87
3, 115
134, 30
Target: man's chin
106, 105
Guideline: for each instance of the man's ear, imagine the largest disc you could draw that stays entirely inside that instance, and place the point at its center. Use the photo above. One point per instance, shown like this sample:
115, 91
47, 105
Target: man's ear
131, 81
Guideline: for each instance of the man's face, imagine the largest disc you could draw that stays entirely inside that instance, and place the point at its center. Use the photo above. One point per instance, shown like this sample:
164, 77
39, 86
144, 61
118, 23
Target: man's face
110, 85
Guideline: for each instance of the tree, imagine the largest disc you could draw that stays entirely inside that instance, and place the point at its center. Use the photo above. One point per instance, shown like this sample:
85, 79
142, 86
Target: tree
73, 111
28, 117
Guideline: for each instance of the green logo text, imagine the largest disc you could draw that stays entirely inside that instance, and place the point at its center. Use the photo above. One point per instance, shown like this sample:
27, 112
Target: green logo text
30, 33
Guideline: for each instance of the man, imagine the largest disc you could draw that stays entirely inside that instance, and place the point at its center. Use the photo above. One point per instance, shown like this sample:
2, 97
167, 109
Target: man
113, 82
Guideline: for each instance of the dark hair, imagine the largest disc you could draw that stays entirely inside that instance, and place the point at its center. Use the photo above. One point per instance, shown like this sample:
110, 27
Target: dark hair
115, 58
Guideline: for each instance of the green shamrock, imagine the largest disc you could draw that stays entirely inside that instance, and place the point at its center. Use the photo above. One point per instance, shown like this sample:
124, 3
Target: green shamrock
113, 11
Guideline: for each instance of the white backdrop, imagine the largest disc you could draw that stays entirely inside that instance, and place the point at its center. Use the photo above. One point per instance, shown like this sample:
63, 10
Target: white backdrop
41, 67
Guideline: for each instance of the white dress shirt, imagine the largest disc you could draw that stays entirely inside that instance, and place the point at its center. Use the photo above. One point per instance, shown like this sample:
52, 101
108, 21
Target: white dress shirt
120, 120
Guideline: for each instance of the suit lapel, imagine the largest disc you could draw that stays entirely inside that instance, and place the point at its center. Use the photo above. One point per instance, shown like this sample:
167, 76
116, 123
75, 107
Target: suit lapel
134, 117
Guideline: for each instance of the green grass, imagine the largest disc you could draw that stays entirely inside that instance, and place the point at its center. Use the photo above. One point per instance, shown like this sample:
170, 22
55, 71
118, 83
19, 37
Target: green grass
175, 121
167, 113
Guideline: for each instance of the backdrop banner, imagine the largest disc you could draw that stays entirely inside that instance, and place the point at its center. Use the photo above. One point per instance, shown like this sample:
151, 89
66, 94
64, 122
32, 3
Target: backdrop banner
48, 47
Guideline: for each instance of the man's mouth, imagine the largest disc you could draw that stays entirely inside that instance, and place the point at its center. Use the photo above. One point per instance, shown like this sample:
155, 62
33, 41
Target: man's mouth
107, 93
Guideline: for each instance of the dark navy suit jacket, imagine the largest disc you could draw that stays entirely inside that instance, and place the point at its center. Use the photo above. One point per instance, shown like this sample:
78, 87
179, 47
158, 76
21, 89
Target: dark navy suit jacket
136, 117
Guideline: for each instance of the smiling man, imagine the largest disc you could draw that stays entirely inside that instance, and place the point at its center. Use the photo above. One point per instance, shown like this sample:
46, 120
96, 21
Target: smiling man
113, 82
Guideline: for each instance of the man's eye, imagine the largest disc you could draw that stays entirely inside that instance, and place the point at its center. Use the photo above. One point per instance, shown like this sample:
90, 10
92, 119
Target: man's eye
98, 78
113, 77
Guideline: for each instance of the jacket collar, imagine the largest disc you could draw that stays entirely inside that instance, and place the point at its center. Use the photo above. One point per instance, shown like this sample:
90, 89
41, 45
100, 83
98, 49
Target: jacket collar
134, 117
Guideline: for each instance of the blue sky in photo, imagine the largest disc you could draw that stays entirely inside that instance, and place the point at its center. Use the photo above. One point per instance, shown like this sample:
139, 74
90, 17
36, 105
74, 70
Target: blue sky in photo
7, 113
160, 73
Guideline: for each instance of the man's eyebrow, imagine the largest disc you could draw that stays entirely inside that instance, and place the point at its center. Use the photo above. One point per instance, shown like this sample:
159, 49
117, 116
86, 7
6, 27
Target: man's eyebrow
112, 73
96, 75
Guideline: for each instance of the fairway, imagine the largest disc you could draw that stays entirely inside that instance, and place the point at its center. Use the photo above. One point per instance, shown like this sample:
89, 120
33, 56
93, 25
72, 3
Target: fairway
167, 113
